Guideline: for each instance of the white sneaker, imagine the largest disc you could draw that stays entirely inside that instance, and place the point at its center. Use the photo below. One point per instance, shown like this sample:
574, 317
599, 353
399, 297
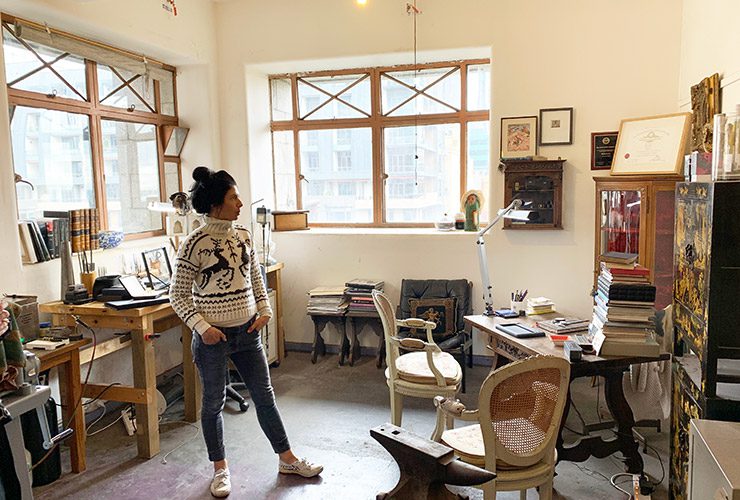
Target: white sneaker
302, 467
221, 484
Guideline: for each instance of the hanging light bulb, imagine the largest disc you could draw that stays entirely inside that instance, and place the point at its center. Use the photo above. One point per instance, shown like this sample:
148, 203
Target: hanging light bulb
361, 3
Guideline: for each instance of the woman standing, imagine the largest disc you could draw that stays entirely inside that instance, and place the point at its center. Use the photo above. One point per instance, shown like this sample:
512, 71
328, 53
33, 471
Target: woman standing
217, 290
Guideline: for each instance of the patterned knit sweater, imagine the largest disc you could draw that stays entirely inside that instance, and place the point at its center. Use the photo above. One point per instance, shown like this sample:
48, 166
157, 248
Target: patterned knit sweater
217, 280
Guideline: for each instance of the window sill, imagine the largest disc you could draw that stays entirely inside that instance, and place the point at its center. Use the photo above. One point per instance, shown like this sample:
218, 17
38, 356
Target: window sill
376, 231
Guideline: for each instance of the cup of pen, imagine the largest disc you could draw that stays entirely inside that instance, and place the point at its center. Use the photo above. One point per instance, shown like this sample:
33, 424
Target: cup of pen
517, 302
88, 278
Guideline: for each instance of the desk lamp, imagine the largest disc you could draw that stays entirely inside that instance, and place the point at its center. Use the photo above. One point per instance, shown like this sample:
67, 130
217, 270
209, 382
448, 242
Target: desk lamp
513, 211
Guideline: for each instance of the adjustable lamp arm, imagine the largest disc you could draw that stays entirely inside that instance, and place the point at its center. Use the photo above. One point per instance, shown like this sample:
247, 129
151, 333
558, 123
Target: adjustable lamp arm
483, 260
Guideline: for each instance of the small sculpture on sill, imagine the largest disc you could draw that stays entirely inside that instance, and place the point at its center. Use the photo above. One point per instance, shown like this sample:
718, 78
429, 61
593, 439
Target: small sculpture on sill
472, 201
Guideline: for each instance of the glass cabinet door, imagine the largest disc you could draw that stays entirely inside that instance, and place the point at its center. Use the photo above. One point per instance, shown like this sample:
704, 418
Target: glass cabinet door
620, 221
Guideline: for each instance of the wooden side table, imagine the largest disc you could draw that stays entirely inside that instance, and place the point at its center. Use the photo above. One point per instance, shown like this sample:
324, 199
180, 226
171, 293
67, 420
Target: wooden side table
67, 359
319, 346
144, 323
373, 318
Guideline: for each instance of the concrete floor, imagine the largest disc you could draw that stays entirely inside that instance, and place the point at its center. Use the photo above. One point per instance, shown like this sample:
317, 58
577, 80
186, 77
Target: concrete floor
328, 411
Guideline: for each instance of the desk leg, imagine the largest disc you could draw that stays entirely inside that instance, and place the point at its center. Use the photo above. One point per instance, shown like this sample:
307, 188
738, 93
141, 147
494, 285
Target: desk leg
142, 352
192, 391
354, 349
625, 419
319, 347
344, 341
70, 391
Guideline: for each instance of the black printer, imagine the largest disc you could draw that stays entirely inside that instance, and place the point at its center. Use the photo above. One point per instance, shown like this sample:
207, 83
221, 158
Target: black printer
107, 288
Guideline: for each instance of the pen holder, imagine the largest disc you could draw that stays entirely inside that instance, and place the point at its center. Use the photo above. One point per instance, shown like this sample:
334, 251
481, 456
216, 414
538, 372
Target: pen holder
518, 307
88, 279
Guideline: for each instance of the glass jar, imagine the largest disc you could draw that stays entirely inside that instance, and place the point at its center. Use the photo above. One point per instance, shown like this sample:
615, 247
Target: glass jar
726, 146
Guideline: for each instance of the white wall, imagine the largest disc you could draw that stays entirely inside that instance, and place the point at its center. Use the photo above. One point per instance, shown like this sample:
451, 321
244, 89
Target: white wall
608, 60
710, 40
186, 41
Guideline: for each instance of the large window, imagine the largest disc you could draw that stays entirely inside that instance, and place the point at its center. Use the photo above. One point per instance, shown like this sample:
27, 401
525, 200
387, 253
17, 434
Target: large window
381, 146
86, 124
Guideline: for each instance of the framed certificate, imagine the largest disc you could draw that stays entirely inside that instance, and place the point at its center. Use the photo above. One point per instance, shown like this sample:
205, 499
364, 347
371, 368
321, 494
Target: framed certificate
603, 145
651, 145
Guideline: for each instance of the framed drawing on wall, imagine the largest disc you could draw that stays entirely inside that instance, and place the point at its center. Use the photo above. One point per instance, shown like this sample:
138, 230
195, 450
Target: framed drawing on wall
556, 126
652, 145
518, 137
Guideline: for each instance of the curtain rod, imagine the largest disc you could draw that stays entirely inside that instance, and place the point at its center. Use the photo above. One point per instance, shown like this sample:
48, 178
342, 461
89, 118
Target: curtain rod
48, 29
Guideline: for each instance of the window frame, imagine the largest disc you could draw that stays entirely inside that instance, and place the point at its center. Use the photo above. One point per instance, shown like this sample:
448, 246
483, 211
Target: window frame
377, 123
98, 112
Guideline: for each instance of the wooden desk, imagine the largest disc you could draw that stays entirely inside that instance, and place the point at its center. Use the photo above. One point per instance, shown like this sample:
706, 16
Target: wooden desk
274, 281
67, 358
611, 369
143, 323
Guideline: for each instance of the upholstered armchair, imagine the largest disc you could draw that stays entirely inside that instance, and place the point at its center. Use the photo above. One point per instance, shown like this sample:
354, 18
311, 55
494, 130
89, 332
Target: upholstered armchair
444, 302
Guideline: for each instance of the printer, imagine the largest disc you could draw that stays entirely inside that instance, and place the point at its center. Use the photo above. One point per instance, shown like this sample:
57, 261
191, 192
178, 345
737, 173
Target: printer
107, 288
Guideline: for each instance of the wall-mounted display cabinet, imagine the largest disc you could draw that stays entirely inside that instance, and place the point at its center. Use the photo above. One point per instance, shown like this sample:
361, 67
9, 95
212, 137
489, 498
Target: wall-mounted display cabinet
539, 182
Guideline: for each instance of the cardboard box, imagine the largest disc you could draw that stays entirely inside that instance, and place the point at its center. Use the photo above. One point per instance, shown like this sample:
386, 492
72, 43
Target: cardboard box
290, 220
26, 310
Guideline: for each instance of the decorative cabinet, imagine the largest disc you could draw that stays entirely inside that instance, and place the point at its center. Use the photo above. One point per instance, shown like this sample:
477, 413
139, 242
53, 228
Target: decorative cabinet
539, 182
706, 314
634, 214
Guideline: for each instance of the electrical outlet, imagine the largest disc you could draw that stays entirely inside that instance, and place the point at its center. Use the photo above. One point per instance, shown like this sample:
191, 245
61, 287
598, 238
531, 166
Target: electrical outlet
128, 421
636, 489
94, 405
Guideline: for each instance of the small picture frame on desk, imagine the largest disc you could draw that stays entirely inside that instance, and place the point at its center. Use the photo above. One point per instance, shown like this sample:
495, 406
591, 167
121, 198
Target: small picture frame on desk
158, 268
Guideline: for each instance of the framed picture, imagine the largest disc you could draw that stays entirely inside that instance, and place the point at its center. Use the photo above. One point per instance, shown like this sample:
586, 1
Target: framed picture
158, 268
603, 145
177, 225
652, 145
556, 126
518, 137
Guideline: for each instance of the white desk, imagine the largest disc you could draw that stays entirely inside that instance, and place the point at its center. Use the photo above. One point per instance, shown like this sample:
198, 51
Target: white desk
17, 406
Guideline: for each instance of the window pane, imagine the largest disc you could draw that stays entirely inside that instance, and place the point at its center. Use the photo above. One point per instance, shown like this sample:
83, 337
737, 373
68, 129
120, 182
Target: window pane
284, 163
423, 189
114, 92
171, 179
478, 155
358, 96
51, 149
446, 90
20, 61
281, 98
167, 94
131, 176
341, 188
479, 87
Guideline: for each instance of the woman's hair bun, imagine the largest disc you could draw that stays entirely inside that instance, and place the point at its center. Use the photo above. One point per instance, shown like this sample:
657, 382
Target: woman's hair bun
202, 174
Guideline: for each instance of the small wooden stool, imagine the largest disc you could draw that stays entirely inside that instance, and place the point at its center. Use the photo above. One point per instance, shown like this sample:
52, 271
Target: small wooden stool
426, 466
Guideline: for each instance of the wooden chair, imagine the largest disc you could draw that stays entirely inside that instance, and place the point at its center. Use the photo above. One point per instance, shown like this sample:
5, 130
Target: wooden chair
424, 372
518, 421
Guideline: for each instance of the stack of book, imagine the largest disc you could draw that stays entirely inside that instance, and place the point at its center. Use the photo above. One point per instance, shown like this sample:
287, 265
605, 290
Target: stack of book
359, 292
326, 300
623, 258
42, 239
564, 326
625, 273
540, 305
624, 311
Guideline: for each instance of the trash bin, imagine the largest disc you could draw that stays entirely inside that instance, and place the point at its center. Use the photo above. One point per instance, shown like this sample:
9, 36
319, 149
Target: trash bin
50, 469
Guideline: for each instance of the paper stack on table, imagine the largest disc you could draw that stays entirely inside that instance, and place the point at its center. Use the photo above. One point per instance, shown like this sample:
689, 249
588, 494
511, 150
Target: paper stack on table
540, 305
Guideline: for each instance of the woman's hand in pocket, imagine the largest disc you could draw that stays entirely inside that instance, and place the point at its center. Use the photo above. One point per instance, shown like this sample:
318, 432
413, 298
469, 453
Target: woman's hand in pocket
258, 324
213, 336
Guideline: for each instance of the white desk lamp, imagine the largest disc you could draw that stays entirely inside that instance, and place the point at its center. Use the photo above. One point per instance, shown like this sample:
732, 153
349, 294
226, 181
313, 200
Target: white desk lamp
513, 211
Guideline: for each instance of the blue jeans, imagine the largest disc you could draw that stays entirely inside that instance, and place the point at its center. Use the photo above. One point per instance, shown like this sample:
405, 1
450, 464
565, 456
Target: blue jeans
245, 350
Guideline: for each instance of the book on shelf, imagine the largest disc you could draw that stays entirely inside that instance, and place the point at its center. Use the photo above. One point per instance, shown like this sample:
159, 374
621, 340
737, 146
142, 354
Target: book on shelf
28, 254
605, 346
619, 257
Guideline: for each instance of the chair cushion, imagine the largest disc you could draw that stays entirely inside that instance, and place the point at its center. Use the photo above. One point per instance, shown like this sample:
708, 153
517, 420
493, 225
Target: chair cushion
468, 444
439, 311
413, 367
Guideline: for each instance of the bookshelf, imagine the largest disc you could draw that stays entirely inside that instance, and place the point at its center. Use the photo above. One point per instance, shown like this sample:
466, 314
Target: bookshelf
635, 214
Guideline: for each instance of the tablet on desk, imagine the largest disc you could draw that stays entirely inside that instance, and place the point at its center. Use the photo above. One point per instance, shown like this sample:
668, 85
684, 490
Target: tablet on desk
519, 331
